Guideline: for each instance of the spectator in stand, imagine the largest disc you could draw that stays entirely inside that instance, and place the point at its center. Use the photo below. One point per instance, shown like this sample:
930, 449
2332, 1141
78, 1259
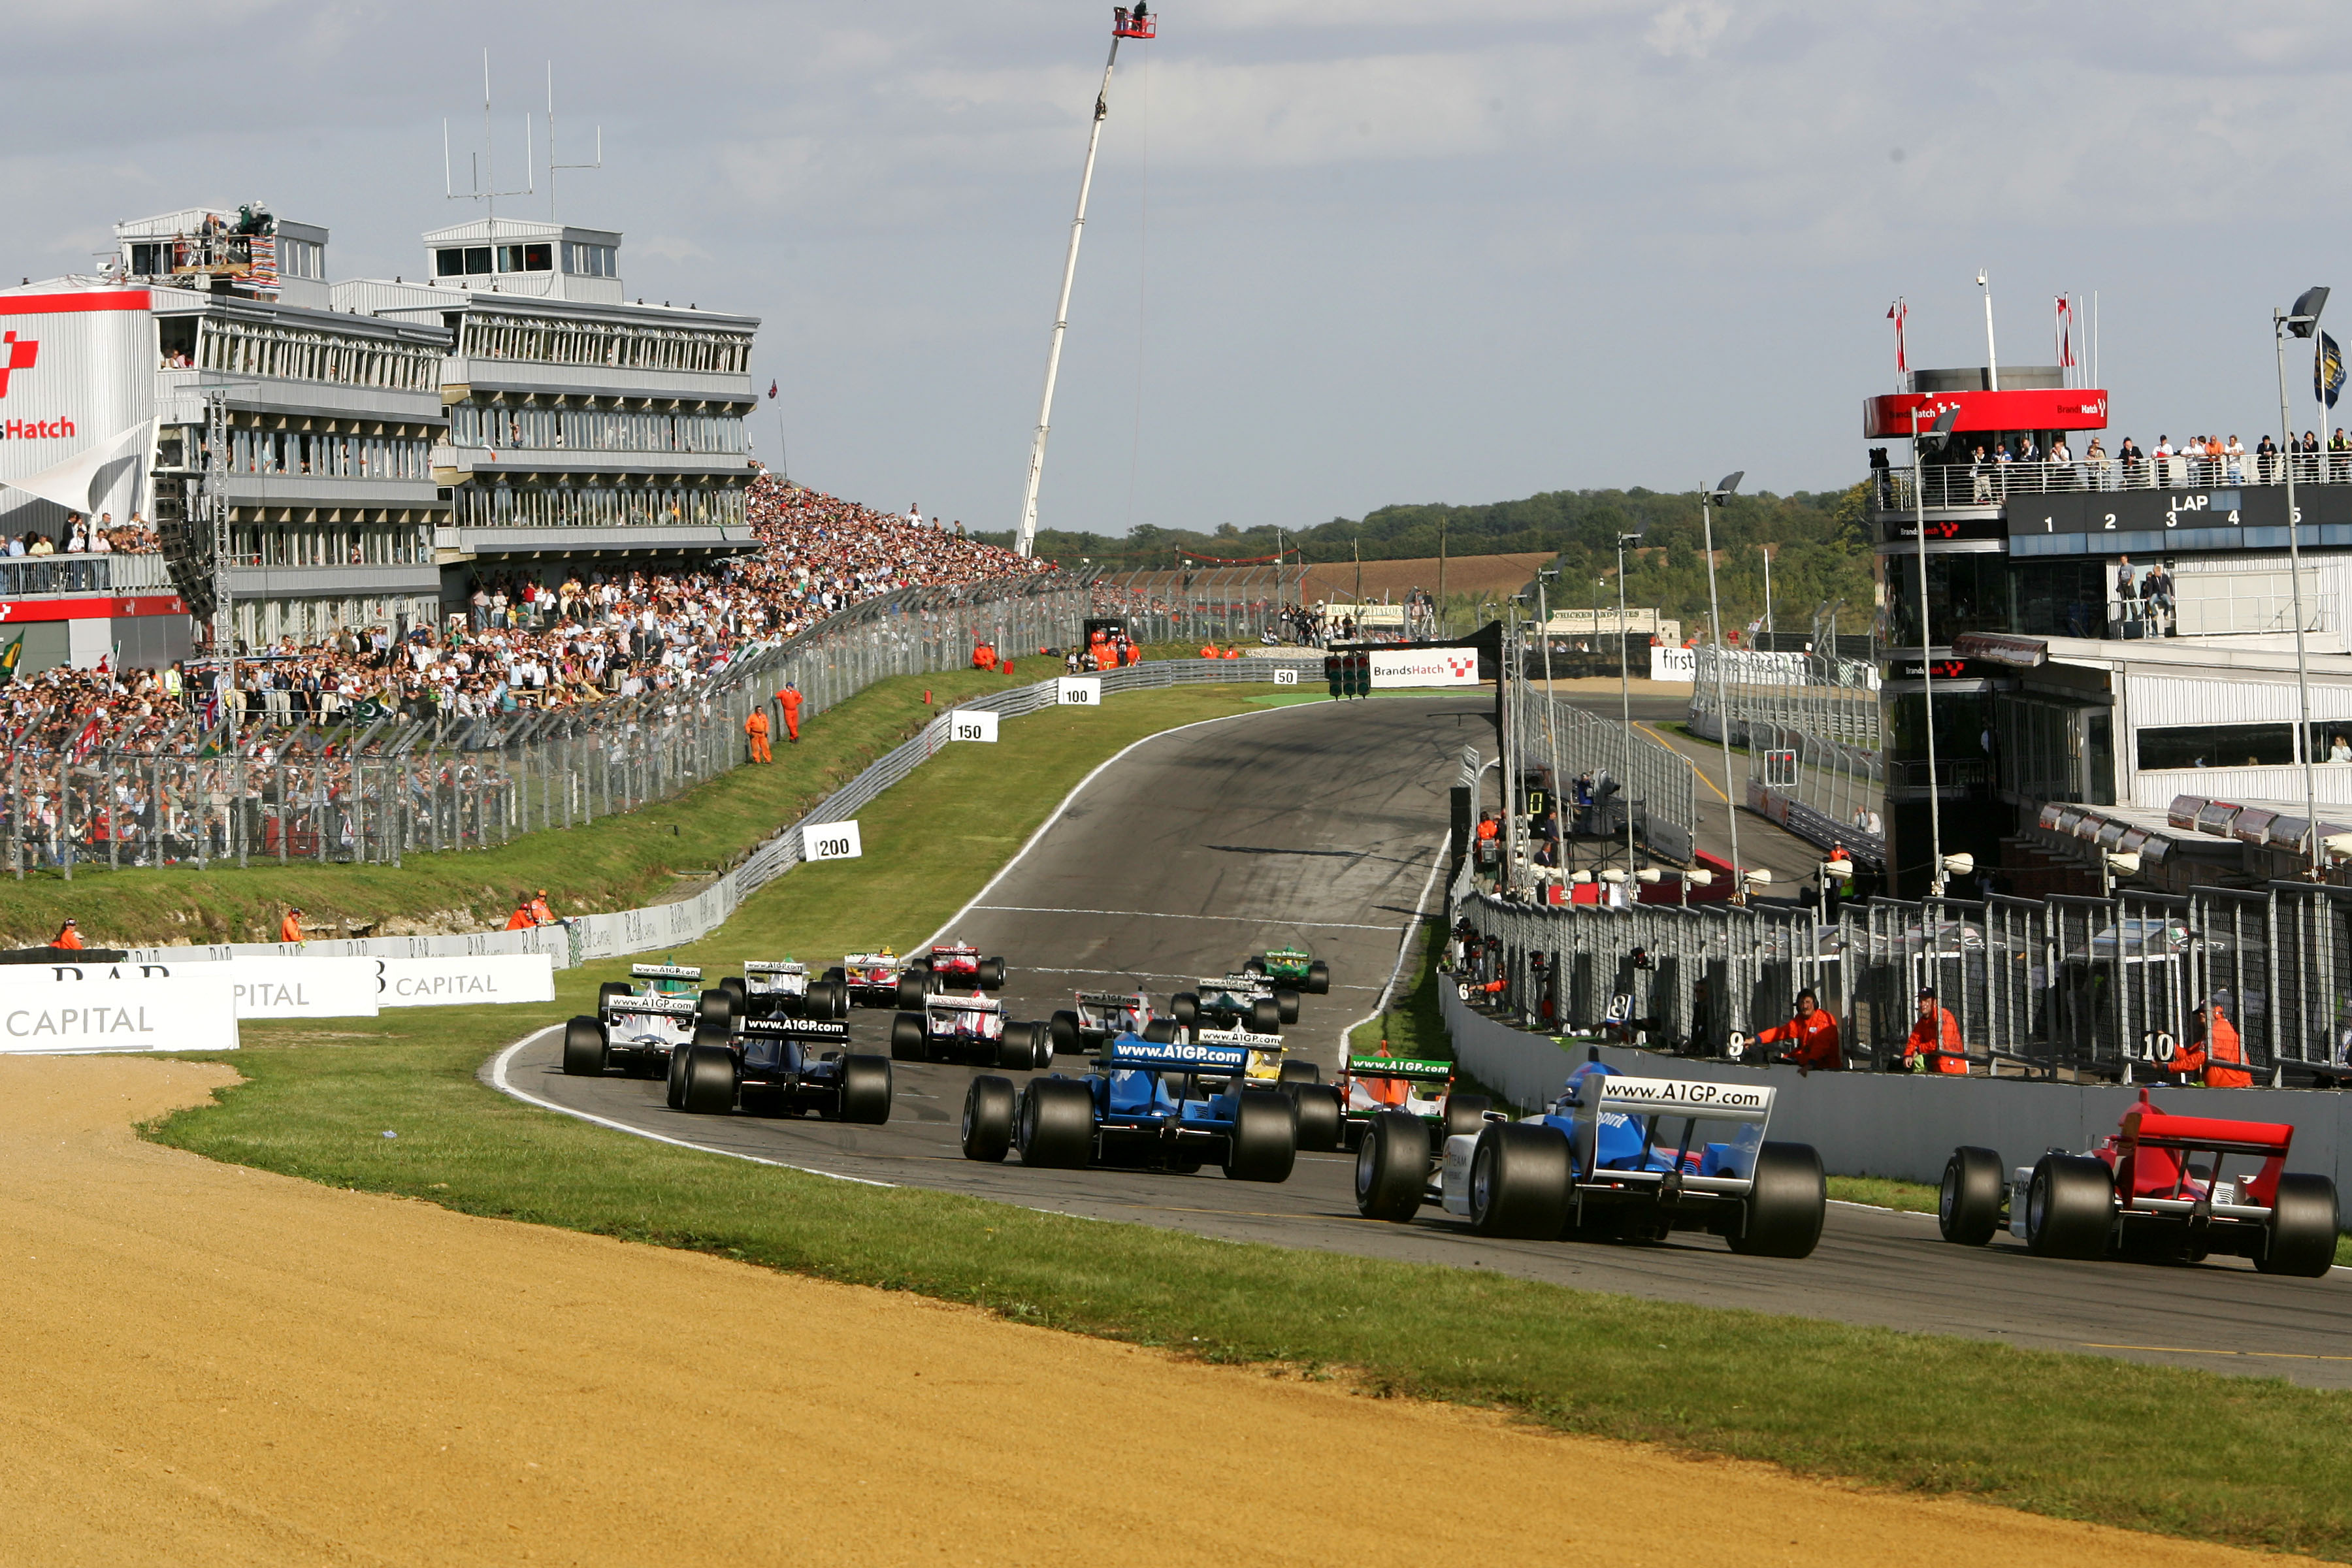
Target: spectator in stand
2267, 461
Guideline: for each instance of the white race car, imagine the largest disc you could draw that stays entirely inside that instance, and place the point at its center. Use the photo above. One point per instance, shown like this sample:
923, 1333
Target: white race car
970, 1029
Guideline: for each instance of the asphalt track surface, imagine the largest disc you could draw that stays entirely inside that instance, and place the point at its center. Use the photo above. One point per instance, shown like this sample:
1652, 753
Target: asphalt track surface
1320, 825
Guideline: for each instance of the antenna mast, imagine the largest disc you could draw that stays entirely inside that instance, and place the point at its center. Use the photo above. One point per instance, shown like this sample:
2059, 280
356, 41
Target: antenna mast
486, 171
552, 164
1141, 25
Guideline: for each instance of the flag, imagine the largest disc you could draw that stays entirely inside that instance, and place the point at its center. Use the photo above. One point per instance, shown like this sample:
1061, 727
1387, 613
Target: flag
2065, 332
8, 657
1895, 313
2327, 371
86, 741
771, 389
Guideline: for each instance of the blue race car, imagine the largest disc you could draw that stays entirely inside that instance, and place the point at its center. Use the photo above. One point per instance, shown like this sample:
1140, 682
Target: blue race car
781, 1066
1616, 1158
1147, 1105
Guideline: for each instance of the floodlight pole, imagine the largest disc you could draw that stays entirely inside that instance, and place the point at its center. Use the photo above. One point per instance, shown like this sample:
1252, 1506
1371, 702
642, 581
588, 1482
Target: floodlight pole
1625, 697
2302, 320
1927, 692
1722, 685
1025, 541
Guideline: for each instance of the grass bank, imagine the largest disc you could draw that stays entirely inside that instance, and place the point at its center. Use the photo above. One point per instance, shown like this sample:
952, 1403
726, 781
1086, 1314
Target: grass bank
2072, 1436
617, 862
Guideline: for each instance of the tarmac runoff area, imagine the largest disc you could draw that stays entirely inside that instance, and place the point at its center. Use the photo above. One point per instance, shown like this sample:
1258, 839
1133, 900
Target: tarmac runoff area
1321, 825
215, 1365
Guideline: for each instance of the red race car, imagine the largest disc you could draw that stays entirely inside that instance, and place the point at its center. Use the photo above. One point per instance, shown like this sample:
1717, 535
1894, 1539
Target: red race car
2146, 1194
960, 967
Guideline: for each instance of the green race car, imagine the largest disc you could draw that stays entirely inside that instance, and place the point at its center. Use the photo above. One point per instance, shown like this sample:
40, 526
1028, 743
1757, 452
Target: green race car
1294, 968
1373, 1086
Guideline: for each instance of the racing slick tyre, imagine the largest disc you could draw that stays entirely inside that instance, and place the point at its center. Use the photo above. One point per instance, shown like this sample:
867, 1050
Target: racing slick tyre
1254, 967
912, 988
908, 1040
818, 1002
1263, 1143
1321, 1115
2070, 1205
1466, 1113
733, 985
583, 1047
1300, 1072
1266, 1017
709, 1077
677, 1060
1055, 1125
838, 978
715, 1008
1788, 1199
1318, 979
1519, 1176
1968, 1204
1185, 1008
1020, 1048
608, 990
1161, 1032
992, 975
2302, 1232
988, 1117
1065, 1026
865, 1088
1286, 1003
1393, 1166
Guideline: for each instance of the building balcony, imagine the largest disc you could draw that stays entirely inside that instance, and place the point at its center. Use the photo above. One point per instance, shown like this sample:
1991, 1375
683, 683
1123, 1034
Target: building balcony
457, 465
68, 576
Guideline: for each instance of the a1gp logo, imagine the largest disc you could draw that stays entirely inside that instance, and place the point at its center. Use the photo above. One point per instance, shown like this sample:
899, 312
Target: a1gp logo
831, 841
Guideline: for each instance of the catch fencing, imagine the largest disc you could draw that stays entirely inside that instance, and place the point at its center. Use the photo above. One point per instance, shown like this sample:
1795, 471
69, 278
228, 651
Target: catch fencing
1809, 723
2076, 988
370, 787
1660, 782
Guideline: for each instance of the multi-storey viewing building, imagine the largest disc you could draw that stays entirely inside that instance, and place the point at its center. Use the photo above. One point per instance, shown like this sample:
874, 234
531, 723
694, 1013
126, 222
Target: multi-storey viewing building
363, 451
586, 430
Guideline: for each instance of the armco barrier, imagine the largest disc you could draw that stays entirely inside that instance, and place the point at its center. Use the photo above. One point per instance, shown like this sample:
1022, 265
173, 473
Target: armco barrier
596, 937
1905, 1125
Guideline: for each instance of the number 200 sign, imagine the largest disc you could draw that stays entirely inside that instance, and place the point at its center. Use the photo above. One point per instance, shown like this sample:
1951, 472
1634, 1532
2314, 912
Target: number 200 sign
831, 841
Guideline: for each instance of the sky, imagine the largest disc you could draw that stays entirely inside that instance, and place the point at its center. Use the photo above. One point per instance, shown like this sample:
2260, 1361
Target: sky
1340, 254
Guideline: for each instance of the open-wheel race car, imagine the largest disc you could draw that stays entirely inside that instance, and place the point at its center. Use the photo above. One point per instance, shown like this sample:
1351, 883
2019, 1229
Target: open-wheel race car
1293, 967
1372, 1086
958, 967
969, 1029
781, 1066
884, 980
1321, 1109
1099, 1017
1235, 1001
1616, 1158
670, 980
2143, 1193
1144, 1106
640, 1023
782, 988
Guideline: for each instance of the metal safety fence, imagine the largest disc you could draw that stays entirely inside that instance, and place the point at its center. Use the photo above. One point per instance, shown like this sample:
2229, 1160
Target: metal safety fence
1554, 734
2084, 989
373, 788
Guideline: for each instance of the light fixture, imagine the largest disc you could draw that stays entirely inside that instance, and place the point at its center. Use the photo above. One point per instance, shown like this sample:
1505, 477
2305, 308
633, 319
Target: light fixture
1648, 874
1960, 865
1613, 875
1760, 877
2125, 864
1699, 878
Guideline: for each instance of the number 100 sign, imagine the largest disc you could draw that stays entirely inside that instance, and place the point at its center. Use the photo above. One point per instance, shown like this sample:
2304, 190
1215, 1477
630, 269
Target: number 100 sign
831, 841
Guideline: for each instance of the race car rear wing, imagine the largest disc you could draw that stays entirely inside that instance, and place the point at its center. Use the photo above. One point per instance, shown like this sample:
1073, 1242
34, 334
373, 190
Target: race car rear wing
1400, 1066
872, 961
1244, 1038
963, 1005
2265, 1140
1130, 999
664, 971
1133, 1051
1676, 1107
779, 966
822, 1030
667, 1007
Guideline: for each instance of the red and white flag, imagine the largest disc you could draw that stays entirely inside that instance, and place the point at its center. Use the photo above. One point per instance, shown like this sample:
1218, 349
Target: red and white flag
2066, 325
1895, 313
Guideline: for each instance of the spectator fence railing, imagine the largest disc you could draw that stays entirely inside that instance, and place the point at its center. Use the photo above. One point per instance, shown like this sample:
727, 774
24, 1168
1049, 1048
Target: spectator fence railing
2078, 988
361, 788
1659, 781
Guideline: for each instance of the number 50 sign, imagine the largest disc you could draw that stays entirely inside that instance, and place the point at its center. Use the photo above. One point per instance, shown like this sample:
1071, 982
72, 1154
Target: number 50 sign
831, 841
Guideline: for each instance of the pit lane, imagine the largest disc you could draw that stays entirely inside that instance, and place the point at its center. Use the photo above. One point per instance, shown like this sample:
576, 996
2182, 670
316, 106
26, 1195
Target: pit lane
1321, 825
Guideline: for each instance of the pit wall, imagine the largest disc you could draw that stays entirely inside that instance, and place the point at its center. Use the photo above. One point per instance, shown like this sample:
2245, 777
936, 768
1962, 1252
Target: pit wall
1905, 1125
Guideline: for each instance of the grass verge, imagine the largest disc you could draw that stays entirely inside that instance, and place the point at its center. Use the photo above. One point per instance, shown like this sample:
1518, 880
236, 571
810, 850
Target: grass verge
2076, 1436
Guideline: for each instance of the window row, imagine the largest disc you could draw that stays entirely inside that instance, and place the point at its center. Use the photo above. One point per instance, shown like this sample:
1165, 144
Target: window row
308, 621
611, 344
331, 544
594, 429
246, 348
593, 506
330, 457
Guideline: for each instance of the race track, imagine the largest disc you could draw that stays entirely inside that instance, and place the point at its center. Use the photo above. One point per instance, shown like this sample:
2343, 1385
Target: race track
1321, 825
